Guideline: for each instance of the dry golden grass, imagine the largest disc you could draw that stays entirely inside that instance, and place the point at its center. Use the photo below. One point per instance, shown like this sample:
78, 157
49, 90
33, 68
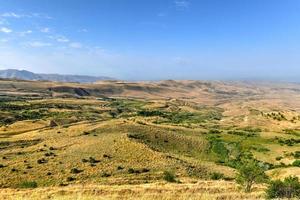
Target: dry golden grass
282, 173
202, 190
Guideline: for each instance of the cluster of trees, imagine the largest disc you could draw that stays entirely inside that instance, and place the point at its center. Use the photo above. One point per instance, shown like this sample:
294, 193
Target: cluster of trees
250, 172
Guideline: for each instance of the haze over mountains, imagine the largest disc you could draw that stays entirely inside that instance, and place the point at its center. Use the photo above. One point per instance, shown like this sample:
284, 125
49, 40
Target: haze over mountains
27, 75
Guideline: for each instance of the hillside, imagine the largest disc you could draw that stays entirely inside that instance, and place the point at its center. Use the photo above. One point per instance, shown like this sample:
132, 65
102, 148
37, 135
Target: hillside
27, 75
67, 136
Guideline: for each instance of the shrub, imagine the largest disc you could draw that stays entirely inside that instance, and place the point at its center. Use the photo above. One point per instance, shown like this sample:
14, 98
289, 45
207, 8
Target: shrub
216, 176
131, 170
105, 174
52, 123
13, 170
86, 133
279, 158
250, 173
297, 154
145, 170
93, 160
288, 188
106, 156
76, 171
296, 163
135, 136
214, 131
134, 171
28, 184
169, 176
70, 179
41, 161
49, 154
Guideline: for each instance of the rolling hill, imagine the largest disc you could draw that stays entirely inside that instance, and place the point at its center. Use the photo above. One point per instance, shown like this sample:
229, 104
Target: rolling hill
27, 75
116, 139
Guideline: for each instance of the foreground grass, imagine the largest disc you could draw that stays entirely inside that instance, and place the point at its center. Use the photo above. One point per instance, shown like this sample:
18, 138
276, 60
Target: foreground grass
202, 190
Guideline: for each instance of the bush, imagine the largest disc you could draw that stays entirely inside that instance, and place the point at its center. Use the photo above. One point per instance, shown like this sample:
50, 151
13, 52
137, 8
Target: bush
249, 173
279, 158
131, 170
297, 154
75, 171
169, 177
28, 184
71, 179
288, 188
105, 174
216, 176
296, 163
41, 161
214, 131
120, 168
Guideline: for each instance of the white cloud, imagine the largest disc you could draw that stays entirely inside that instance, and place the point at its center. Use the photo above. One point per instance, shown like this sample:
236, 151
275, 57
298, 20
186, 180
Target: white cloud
59, 38
38, 44
5, 30
83, 30
75, 45
181, 4
12, 15
30, 15
24, 33
45, 30
62, 39
41, 15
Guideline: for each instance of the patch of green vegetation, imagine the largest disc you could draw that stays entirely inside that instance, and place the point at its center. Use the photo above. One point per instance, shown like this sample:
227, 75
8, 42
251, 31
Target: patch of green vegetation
18, 111
288, 142
180, 142
296, 163
250, 129
295, 132
276, 116
181, 117
217, 146
125, 107
242, 133
28, 184
296, 154
249, 173
214, 131
260, 149
288, 188
232, 153
169, 176
216, 176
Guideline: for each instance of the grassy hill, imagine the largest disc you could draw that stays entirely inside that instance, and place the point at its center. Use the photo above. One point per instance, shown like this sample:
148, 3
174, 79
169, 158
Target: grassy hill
110, 135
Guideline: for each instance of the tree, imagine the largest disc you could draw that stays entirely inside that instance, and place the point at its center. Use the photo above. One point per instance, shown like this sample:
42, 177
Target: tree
249, 173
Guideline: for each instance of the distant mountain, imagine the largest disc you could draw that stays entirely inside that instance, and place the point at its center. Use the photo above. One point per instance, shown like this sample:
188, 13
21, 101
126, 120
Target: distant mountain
27, 75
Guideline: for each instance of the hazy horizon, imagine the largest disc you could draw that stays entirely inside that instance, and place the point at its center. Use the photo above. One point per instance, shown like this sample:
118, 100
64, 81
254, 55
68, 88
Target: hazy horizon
153, 40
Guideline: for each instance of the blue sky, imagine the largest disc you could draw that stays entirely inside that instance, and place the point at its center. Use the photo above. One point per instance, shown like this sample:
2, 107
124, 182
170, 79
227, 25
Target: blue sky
153, 39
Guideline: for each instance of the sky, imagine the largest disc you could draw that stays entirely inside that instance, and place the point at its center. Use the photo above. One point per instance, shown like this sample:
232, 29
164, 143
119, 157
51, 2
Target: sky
153, 39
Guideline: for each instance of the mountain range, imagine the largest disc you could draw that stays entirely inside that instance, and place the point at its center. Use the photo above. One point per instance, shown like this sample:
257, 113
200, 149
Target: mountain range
27, 75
